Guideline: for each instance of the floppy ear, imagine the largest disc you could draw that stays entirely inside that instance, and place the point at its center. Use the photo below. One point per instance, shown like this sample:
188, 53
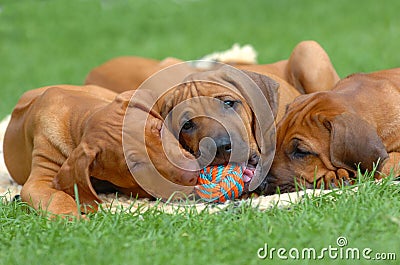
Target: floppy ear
156, 159
256, 89
76, 170
263, 124
269, 88
354, 142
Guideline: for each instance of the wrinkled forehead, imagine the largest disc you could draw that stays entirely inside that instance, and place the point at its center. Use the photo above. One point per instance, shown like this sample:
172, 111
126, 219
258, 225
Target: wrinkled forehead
196, 98
192, 89
306, 115
317, 102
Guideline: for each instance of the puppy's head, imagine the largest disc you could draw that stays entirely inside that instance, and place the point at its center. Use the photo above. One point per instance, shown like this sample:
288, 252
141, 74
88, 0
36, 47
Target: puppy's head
320, 141
209, 120
211, 115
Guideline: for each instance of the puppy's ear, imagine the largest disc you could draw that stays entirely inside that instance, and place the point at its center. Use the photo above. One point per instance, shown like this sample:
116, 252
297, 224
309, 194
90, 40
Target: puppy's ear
269, 88
354, 142
263, 123
76, 170
159, 163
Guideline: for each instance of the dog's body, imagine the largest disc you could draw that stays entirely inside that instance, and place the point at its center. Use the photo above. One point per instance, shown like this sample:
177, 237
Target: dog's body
67, 139
47, 126
324, 136
126, 73
308, 69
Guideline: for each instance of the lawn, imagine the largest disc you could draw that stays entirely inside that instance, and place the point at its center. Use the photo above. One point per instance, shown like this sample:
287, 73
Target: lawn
45, 42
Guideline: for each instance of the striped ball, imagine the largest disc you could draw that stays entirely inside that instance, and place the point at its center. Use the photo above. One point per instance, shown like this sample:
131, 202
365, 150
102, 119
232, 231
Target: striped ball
220, 183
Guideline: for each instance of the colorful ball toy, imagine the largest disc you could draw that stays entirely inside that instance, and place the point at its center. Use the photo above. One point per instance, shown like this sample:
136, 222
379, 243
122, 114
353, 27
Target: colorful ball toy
220, 183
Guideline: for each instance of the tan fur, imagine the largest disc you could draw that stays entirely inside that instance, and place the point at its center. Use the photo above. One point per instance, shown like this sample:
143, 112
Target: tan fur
355, 124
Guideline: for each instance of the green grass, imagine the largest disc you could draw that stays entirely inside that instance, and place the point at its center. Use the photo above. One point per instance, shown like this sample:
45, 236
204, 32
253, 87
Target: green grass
45, 42
369, 218
52, 42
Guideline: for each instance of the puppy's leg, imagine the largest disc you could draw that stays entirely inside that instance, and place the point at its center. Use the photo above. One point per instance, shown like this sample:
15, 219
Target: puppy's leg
309, 68
40, 193
391, 165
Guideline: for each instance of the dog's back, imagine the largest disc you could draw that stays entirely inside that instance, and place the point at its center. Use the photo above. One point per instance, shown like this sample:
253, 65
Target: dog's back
42, 118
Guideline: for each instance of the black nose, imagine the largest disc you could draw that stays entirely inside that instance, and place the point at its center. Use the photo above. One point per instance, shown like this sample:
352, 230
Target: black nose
224, 148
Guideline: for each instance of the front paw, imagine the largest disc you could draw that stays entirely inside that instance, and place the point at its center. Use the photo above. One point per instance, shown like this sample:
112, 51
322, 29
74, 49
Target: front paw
337, 179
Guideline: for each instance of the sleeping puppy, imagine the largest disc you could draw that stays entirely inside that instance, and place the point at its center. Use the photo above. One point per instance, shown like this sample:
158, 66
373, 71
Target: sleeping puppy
324, 137
66, 143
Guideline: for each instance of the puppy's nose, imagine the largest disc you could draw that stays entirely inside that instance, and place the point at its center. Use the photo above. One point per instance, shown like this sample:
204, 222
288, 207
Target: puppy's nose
224, 148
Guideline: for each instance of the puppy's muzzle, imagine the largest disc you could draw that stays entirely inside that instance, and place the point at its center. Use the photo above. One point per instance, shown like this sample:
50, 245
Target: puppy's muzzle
224, 149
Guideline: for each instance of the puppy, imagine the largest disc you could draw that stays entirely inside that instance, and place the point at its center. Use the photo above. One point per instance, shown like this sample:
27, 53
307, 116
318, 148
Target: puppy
324, 137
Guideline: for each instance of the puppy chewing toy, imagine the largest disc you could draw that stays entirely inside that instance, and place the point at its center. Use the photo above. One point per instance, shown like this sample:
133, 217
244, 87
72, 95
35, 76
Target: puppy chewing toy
220, 183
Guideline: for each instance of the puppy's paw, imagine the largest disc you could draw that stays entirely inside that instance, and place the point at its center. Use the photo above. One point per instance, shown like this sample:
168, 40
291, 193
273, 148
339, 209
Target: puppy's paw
337, 179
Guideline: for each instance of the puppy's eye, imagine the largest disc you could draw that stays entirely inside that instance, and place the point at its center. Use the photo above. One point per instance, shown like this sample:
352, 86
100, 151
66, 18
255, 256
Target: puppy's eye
229, 103
300, 153
188, 125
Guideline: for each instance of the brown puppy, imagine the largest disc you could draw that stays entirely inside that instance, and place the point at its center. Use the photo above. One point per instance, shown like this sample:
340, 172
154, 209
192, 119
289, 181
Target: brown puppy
308, 69
67, 139
63, 135
324, 136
